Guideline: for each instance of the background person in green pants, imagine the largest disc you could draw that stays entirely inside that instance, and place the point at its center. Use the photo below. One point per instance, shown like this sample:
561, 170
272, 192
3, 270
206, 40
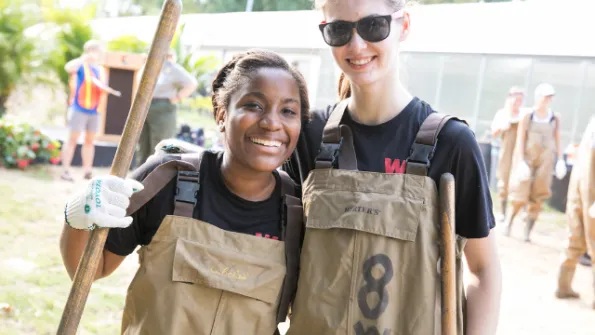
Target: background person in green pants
174, 84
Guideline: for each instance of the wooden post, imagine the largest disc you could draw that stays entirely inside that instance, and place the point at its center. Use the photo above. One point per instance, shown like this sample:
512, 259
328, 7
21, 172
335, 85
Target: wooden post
447, 254
85, 273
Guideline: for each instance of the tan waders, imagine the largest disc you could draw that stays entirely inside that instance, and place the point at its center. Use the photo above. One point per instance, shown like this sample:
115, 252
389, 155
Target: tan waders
505, 163
540, 156
195, 278
370, 256
581, 195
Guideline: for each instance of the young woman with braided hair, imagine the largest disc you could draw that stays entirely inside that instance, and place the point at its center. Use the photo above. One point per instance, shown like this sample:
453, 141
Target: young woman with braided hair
215, 229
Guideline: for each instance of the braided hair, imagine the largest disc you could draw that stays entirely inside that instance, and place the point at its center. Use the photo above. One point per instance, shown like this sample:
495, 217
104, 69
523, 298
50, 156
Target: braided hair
240, 69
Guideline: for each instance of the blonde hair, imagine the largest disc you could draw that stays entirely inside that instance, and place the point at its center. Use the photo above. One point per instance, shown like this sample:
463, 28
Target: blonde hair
344, 87
92, 45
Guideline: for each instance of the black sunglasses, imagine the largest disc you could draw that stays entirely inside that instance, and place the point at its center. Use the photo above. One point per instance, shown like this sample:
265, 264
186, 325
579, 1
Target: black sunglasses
371, 28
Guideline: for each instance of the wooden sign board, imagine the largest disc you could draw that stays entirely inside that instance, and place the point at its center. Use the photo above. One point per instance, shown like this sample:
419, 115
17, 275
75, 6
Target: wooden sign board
122, 71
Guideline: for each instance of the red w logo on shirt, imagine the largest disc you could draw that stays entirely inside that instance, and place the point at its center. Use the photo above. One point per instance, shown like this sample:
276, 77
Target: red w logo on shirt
394, 166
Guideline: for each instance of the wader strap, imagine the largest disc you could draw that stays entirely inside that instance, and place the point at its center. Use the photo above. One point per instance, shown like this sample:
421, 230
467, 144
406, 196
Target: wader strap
287, 184
422, 151
292, 236
155, 181
291, 231
336, 149
187, 186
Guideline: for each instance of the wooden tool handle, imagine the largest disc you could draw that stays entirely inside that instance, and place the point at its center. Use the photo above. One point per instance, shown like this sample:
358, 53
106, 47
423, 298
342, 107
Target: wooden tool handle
85, 273
447, 254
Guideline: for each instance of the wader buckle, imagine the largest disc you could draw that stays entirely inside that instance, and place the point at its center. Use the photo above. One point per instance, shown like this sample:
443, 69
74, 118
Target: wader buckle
187, 186
421, 154
329, 152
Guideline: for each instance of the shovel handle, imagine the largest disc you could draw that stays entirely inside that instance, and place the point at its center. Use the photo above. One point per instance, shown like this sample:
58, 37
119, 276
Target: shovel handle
85, 273
447, 254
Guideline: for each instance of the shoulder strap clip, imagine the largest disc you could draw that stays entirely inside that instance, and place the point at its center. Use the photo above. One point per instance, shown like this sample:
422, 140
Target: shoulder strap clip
328, 154
187, 186
422, 153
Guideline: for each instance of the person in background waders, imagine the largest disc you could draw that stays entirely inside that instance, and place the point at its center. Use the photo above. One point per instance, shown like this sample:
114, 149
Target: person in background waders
370, 168
505, 126
219, 231
538, 142
580, 211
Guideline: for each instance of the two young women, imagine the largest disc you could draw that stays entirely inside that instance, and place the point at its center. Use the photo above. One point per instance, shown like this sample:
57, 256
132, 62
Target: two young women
369, 186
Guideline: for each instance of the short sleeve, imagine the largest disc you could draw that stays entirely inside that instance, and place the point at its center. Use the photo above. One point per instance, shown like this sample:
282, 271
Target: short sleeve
473, 200
123, 241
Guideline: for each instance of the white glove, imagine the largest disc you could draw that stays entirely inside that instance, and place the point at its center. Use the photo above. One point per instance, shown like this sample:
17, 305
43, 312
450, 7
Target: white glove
102, 204
560, 169
592, 211
505, 124
523, 171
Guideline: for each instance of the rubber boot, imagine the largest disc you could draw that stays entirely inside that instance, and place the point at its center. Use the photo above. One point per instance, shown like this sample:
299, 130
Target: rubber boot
503, 217
507, 225
585, 260
564, 290
528, 228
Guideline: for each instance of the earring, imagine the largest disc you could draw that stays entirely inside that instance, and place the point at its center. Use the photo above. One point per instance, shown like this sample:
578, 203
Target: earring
220, 126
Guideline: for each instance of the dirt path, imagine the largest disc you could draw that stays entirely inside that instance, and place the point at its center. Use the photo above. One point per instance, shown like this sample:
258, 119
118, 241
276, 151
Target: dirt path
529, 281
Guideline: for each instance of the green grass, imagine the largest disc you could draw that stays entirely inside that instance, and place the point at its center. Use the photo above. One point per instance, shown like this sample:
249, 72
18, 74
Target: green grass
33, 280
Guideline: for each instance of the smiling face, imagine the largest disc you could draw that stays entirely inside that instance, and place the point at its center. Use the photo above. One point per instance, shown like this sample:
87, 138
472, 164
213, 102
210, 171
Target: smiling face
262, 121
366, 62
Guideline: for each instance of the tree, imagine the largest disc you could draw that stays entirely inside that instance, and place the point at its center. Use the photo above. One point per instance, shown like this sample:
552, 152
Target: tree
221, 6
201, 68
70, 28
19, 56
128, 43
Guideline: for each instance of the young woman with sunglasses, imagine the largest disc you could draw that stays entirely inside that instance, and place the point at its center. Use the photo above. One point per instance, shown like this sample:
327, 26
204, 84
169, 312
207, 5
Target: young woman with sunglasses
370, 172
215, 229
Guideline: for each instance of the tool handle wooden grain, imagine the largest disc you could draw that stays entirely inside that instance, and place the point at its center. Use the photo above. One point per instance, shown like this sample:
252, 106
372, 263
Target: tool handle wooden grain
447, 254
85, 273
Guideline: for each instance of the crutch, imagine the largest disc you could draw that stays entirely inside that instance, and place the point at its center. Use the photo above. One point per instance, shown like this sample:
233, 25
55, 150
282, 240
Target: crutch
447, 254
85, 273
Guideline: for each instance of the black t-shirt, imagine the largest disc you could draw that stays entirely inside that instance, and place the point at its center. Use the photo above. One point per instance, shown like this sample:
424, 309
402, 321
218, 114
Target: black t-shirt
384, 148
216, 205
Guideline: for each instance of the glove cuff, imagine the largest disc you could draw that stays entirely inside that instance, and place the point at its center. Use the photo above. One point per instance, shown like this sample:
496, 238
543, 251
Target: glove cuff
75, 212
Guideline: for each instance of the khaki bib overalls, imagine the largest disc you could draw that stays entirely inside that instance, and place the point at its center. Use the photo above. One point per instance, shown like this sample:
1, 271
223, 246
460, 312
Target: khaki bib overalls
505, 160
540, 155
581, 226
370, 255
195, 278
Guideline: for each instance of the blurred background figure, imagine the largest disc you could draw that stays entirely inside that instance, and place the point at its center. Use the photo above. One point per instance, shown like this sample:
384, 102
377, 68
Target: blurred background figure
173, 85
87, 85
581, 196
538, 143
505, 125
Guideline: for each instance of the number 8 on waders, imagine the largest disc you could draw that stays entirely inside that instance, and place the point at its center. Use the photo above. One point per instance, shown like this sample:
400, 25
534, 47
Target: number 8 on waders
379, 254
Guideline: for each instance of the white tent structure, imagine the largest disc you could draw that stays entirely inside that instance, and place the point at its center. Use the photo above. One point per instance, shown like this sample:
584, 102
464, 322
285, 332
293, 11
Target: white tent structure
460, 58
